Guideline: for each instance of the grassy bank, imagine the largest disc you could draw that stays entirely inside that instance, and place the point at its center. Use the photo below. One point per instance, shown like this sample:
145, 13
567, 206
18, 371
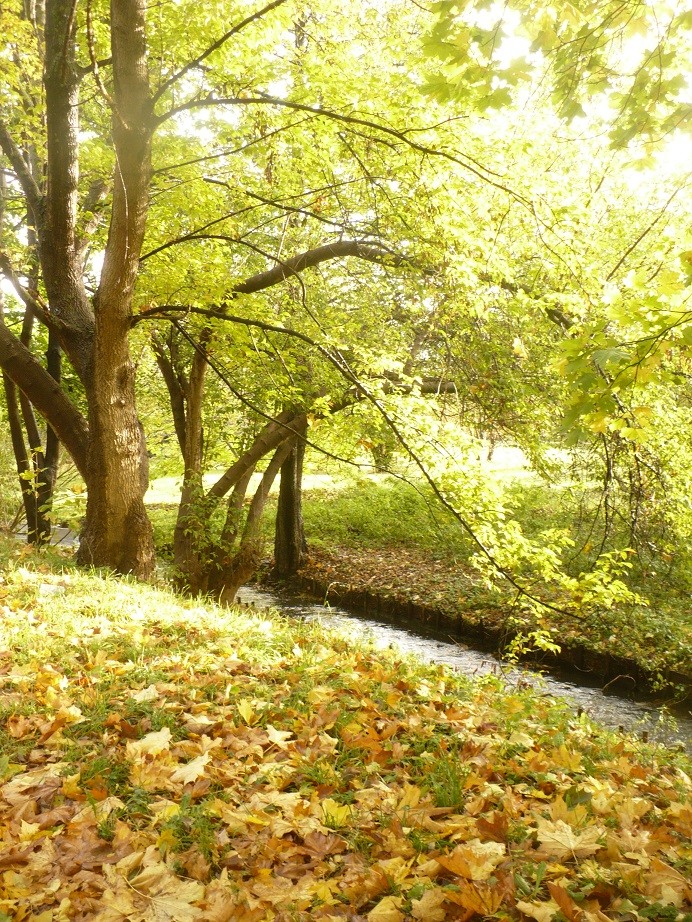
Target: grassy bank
163, 759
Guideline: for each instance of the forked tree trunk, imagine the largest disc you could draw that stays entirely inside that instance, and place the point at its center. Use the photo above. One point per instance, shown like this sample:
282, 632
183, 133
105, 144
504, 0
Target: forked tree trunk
290, 546
231, 572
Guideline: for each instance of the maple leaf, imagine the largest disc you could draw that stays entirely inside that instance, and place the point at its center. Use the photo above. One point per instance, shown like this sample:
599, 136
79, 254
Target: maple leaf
335, 814
474, 860
477, 897
153, 895
429, 907
564, 900
246, 710
666, 884
542, 912
152, 744
559, 840
192, 770
387, 910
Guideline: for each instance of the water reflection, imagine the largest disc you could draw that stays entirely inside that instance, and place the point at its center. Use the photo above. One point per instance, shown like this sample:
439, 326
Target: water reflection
611, 710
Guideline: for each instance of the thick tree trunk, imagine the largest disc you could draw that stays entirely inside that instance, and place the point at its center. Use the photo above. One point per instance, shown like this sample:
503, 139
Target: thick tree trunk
289, 534
117, 532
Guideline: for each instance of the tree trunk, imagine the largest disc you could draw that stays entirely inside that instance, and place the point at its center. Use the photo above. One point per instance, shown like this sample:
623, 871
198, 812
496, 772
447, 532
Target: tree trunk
117, 531
230, 575
190, 537
289, 535
35, 522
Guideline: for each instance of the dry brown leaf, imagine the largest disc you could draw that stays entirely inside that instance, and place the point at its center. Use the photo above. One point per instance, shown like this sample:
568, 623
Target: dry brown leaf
477, 897
570, 910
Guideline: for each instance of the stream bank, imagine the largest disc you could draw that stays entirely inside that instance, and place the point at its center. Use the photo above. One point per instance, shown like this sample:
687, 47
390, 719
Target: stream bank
352, 580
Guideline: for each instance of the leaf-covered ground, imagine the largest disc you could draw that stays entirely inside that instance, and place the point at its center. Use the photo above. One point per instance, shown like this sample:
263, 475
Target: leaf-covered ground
164, 760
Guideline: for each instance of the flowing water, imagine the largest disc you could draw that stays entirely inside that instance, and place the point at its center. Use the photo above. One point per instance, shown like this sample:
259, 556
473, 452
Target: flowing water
434, 646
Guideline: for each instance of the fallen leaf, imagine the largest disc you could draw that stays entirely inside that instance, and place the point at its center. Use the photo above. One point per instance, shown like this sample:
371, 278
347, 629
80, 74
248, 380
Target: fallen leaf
542, 912
152, 744
474, 860
192, 770
561, 841
429, 907
387, 910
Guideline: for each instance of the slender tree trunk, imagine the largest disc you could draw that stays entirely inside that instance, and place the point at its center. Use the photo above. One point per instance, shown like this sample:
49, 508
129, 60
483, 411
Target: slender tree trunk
25, 466
289, 535
30, 466
190, 539
227, 579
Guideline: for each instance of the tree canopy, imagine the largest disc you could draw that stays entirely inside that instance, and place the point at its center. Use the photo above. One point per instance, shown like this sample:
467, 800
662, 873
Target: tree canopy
344, 225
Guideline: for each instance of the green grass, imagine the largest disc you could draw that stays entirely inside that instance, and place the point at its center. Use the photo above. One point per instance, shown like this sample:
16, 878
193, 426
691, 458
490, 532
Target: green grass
200, 751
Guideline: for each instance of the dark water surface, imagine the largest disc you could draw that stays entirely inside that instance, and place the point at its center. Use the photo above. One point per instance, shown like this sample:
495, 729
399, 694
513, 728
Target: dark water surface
434, 646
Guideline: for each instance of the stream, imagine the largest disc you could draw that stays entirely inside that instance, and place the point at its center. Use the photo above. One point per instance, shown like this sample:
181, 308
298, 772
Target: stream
640, 717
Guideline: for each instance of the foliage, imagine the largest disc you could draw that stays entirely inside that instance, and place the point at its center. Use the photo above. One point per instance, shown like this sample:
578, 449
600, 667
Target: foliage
626, 60
166, 760
385, 538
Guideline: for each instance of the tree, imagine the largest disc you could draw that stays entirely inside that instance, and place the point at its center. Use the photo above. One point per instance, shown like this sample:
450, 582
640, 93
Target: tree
334, 242
91, 326
89, 69
92, 330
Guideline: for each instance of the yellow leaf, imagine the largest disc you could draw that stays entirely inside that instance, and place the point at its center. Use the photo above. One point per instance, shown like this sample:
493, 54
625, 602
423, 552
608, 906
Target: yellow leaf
150, 693
278, 737
246, 711
561, 841
429, 907
542, 912
152, 744
474, 860
192, 770
334, 814
387, 910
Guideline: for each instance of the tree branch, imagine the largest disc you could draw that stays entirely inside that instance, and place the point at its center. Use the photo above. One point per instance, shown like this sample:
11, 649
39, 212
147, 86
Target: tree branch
31, 302
286, 269
23, 173
46, 395
191, 65
468, 163
296, 264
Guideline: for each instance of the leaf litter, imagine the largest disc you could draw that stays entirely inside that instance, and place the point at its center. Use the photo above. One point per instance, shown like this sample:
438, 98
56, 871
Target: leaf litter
164, 760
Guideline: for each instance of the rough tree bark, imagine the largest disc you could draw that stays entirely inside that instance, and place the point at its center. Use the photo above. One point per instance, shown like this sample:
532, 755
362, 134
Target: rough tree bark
117, 469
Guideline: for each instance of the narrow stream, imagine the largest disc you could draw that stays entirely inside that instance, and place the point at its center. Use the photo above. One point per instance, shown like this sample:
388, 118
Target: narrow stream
612, 710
